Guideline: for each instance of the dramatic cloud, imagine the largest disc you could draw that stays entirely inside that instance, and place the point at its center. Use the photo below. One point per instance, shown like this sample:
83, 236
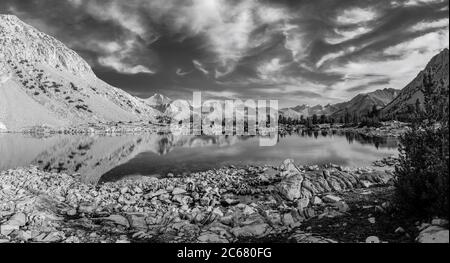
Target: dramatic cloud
311, 52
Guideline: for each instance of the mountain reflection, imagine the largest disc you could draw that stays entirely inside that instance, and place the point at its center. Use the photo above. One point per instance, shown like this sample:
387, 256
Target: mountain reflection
119, 156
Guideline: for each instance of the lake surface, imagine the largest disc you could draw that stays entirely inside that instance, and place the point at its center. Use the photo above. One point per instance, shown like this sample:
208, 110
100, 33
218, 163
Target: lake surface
109, 158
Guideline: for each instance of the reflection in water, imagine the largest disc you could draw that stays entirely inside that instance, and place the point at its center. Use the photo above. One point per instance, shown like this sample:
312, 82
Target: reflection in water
108, 158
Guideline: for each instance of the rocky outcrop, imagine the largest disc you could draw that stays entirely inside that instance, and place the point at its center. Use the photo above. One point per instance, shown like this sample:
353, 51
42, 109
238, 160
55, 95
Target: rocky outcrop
298, 184
364, 103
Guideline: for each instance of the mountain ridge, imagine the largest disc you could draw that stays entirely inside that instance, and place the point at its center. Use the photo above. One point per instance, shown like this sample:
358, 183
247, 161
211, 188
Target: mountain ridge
361, 103
57, 86
439, 66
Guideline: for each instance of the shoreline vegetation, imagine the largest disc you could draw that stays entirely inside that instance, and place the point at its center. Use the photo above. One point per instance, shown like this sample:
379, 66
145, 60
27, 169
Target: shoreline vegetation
290, 203
386, 129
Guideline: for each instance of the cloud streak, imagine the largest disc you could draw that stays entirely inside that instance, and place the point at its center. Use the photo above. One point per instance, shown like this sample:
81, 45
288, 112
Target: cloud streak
322, 50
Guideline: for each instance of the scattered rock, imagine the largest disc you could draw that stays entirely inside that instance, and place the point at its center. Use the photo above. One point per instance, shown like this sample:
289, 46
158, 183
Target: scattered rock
213, 206
439, 222
211, 238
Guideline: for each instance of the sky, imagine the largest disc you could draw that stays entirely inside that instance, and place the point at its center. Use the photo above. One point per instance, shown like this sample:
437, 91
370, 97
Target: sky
295, 51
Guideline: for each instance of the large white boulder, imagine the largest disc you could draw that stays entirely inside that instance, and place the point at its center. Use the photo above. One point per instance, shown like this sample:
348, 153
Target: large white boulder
433, 234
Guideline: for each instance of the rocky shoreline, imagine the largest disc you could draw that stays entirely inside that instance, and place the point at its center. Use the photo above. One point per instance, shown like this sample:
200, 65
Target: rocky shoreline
111, 128
289, 203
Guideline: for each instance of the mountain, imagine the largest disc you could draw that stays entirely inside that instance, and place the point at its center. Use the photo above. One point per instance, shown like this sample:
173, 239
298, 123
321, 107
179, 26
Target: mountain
307, 111
362, 104
159, 102
413, 91
158, 99
43, 82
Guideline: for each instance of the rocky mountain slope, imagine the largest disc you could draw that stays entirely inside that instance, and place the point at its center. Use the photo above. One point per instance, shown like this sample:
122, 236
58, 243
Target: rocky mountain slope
413, 91
307, 111
158, 99
159, 102
361, 104
43, 82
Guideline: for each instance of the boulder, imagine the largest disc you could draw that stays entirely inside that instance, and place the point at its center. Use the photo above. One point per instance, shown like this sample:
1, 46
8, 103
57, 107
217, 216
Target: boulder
291, 187
6, 229
118, 220
18, 219
302, 203
250, 230
155, 194
137, 222
317, 201
433, 234
288, 168
178, 191
211, 238
14, 223
288, 220
373, 239
331, 199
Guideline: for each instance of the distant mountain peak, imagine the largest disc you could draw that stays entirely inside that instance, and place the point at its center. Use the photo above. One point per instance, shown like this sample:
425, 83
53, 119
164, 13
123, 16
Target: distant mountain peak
158, 99
361, 104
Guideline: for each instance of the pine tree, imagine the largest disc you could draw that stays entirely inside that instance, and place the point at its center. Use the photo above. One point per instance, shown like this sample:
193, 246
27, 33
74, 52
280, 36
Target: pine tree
423, 178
